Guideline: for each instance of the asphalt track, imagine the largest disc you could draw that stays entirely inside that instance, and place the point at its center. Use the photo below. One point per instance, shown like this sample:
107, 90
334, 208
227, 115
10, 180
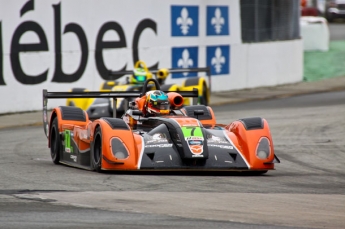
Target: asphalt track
307, 190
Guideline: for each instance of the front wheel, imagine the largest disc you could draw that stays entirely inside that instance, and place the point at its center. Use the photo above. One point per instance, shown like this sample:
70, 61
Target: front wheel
258, 173
55, 142
96, 151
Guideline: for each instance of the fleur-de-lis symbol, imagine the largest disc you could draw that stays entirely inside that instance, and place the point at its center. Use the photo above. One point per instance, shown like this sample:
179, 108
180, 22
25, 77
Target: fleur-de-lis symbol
217, 21
218, 60
184, 21
185, 62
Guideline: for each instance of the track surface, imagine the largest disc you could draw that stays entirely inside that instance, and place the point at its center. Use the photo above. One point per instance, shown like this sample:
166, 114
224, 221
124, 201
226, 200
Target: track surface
306, 191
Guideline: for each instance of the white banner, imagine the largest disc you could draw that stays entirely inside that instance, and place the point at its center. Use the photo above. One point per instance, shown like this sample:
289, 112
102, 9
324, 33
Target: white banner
59, 44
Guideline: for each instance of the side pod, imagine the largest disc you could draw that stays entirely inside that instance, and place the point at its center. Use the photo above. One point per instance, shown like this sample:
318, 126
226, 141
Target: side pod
255, 141
68, 116
113, 145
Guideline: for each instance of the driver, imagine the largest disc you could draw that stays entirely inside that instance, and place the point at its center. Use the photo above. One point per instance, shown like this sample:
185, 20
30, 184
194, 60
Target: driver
139, 76
156, 104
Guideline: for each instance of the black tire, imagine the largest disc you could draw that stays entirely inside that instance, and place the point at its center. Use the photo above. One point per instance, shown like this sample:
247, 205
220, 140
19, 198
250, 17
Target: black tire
96, 152
259, 173
71, 104
55, 142
203, 99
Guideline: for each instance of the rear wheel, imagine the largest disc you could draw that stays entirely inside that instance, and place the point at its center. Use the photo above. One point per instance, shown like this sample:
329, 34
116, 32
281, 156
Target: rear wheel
203, 99
71, 104
55, 142
96, 153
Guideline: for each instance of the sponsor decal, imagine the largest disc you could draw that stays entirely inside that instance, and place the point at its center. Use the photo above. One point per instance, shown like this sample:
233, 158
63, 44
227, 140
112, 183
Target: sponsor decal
184, 20
215, 139
184, 57
194, 139
158, 136
159, 146
157, 141
188, 124
67, 138
74, 158
221, 146
195, 142
217, 20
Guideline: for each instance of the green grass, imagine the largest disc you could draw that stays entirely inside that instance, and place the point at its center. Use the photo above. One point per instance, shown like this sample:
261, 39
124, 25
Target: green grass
320, 65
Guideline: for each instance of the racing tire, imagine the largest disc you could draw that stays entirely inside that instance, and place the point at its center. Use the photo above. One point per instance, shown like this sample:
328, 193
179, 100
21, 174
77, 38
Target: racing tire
203, 98
55, 142
71, 104
96, 151
259, 173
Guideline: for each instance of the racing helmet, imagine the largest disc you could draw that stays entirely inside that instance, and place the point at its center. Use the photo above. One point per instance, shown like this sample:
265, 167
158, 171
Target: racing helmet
157, 103
139, 76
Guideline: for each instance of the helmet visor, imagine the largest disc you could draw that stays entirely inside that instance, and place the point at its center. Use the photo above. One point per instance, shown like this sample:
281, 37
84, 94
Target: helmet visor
162, 107
140, 78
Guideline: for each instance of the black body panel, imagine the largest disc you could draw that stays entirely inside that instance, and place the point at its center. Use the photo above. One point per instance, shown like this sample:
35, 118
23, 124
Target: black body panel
72, 113
116, 123
190, 112
252, 123
191, 81
164, 151
71, 154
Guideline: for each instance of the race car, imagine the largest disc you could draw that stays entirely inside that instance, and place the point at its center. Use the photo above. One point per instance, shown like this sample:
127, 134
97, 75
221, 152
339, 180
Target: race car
101, 107
157, 133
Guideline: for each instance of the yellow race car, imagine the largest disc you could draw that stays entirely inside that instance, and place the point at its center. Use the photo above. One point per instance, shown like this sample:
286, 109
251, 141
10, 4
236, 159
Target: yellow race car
101, 107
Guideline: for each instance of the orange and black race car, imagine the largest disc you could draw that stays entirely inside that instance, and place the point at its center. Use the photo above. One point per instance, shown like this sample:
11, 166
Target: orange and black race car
157, 134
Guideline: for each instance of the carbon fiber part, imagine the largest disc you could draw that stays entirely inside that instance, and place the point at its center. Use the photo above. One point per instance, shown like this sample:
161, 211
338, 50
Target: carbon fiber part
252, 123
190, 112
116, 123
72, 113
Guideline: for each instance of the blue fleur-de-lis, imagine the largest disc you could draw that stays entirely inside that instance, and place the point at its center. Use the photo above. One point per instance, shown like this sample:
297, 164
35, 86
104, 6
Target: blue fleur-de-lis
184, 21
218, 60
185, 62
217, 21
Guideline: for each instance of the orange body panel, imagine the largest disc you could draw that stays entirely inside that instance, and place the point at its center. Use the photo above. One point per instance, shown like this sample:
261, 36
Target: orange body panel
140, 102
247, 142
126, 136
185, 121
209, 121
67, 124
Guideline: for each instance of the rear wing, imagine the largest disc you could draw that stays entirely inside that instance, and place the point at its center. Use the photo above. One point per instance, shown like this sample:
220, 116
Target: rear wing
171, 70
98, 94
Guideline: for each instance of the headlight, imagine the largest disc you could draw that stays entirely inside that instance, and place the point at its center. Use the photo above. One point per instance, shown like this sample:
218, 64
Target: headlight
118, 149
263, 149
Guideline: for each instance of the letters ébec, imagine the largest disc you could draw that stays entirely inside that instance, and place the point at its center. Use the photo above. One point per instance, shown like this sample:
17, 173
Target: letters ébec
59, 76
